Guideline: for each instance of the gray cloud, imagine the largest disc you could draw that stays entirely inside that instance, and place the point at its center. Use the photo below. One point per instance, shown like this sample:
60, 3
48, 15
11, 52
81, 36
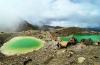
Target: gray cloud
65, 12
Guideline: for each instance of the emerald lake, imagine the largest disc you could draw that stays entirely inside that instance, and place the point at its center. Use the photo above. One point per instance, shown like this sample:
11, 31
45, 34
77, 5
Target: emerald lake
21, 45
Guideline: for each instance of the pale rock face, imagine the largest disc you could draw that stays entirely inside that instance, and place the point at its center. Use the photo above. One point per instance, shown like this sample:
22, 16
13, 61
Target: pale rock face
81, 59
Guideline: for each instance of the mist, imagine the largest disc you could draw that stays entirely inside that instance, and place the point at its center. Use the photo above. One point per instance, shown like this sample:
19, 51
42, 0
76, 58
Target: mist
49, 12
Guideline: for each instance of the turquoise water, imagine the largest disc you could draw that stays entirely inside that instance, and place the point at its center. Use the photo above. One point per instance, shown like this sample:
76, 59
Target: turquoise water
79, 37
94, 37
21, 45
67, 38
25, 43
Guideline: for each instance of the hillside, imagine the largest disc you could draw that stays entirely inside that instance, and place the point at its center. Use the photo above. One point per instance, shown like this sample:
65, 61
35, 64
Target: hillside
27, 26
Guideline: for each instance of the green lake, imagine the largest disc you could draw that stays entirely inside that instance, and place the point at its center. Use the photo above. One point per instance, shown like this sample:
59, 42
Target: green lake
79, 37
21, 45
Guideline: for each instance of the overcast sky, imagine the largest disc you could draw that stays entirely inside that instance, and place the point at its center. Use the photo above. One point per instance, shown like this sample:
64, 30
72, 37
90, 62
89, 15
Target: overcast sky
82, 13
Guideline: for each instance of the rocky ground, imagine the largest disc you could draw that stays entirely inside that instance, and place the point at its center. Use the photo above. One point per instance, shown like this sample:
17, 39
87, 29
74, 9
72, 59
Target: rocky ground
51, 55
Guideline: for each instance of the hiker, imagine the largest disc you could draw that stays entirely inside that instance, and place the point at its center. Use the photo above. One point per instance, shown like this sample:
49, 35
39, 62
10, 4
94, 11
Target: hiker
72, 41
63, 44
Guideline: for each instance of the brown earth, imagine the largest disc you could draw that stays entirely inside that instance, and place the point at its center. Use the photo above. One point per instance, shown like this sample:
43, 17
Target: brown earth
50, 54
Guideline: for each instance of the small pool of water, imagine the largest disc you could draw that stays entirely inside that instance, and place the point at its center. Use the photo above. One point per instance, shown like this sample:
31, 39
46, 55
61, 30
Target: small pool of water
21, 45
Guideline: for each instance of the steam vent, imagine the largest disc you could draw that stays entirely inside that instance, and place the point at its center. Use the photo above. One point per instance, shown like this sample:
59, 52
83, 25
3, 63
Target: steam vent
21, 45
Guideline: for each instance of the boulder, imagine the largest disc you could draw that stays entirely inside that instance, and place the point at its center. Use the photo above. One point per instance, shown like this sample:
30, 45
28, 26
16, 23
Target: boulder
81, 59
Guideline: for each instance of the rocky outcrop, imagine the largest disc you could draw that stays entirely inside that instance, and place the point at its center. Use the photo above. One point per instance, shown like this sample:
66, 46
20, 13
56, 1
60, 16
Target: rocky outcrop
24, 26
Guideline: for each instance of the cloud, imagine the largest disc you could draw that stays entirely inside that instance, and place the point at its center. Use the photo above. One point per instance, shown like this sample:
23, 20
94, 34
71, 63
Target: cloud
65, 12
